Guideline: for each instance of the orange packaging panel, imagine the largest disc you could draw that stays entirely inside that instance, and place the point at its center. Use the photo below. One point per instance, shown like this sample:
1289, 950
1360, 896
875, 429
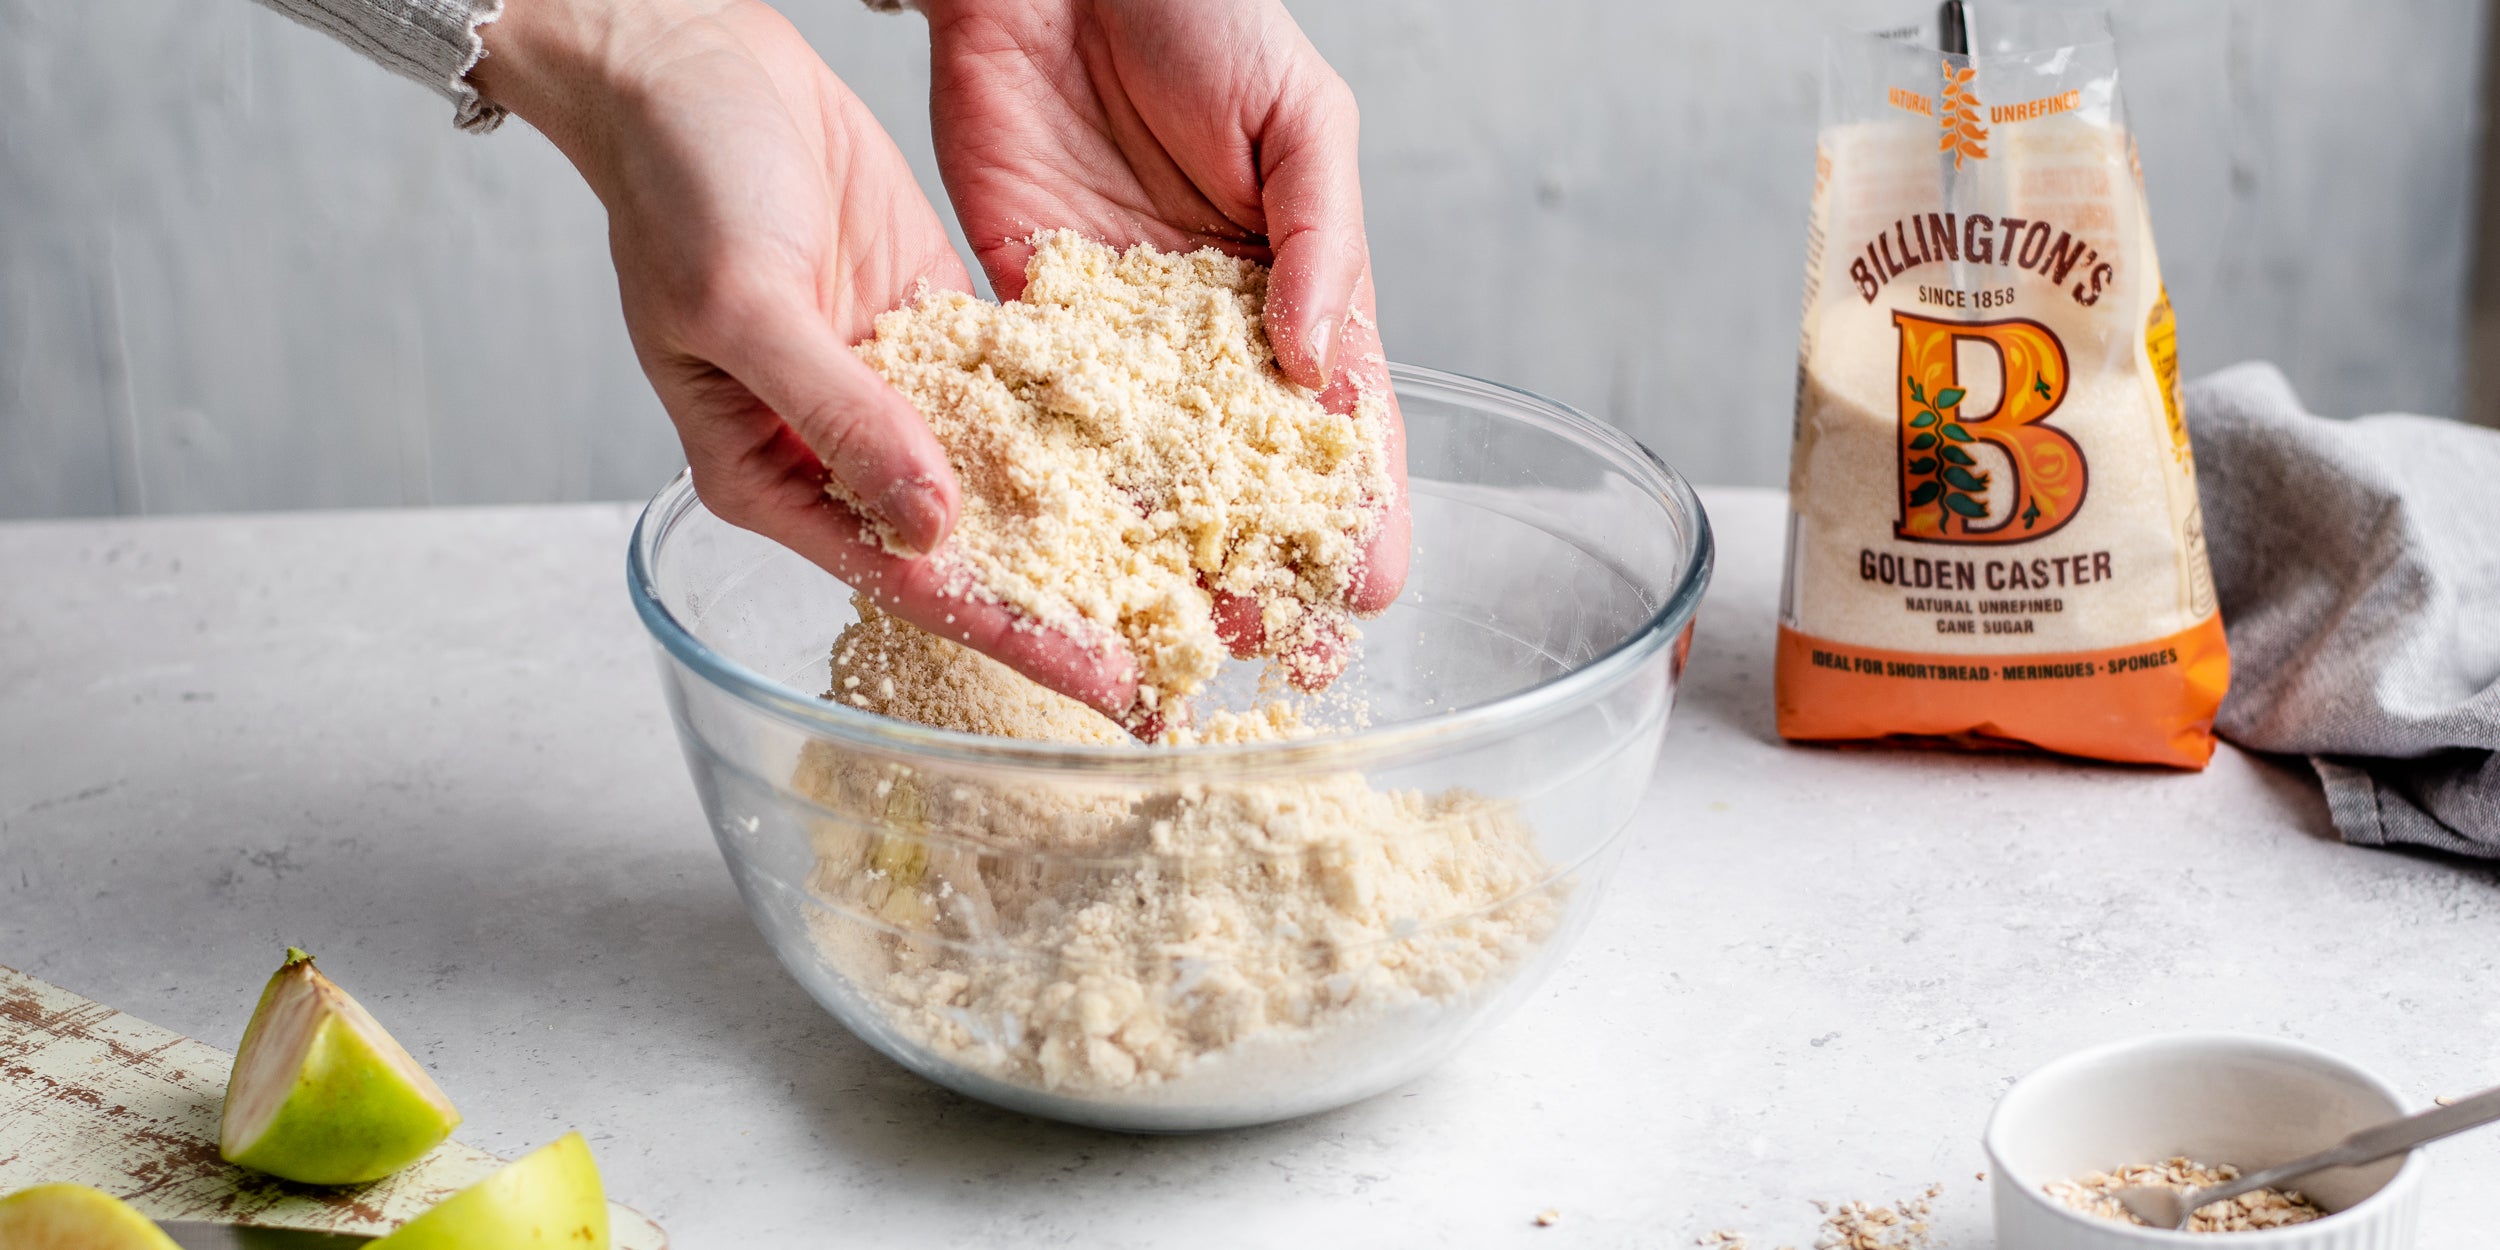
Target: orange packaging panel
2147, 703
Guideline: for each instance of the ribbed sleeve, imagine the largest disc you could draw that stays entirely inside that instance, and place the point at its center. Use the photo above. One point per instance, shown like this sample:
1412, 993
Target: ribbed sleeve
432, 41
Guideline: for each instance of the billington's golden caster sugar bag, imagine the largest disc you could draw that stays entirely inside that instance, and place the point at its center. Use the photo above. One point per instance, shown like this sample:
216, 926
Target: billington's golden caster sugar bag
1993, 536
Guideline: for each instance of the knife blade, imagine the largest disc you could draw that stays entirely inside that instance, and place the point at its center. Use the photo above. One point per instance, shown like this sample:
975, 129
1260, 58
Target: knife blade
193, 1235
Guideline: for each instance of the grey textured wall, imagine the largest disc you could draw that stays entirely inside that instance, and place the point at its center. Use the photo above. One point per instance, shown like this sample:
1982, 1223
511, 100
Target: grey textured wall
240, 268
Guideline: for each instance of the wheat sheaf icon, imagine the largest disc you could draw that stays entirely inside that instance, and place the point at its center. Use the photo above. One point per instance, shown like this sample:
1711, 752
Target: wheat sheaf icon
1959, 116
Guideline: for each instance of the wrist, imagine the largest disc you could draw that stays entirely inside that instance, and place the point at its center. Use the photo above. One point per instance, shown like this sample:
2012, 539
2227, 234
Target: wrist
557, 64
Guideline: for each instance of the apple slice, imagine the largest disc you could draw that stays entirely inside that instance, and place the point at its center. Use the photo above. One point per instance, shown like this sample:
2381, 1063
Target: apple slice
74, 1217
321, 1094
546, 1199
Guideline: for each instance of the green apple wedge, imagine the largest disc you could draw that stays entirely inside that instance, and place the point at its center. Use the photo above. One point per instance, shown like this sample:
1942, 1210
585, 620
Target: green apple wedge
74, 1217
321, 1093
550, 1197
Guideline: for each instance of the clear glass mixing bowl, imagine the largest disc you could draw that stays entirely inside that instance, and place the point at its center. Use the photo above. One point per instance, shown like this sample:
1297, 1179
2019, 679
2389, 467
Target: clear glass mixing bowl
1014, 920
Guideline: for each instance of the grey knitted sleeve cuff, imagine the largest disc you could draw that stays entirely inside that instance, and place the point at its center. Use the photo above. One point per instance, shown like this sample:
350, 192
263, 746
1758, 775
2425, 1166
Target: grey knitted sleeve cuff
432, 41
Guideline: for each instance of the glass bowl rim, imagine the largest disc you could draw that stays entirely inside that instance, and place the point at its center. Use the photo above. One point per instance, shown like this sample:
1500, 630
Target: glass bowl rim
1443, 731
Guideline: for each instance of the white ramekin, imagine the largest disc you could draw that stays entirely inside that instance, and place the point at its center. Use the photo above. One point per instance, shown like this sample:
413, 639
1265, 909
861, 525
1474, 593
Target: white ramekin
2216, 1098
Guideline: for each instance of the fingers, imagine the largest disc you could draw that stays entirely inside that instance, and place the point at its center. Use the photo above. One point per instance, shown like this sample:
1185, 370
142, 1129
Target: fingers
1365, 371
1381, 572
1146, 726
1314, 658
876, 452
1312, 193
1322, 318
756, 472
1239, 623
1099, 672
1319, 658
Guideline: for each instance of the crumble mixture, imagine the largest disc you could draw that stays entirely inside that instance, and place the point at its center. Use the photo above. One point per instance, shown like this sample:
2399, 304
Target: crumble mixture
1128, 449
1128, 452
2248, 1213
1105, 939
893, 668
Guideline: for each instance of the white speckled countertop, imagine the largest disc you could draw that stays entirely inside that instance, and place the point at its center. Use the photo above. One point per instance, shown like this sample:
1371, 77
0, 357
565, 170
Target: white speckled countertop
430, 747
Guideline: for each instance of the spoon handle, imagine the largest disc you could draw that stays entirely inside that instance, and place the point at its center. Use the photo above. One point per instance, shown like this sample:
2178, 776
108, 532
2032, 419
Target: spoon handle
2377, 1143
2371, 1144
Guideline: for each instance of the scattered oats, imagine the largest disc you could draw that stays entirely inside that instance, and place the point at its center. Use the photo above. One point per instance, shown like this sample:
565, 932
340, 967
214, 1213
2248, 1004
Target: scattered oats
1868, 1226
1548, 1218
1979, 1176
2446, 1100
1724, 1238
2248, 1213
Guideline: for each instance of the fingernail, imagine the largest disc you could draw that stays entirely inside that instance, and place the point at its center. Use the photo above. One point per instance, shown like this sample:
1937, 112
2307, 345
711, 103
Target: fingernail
1323, 343
916, 513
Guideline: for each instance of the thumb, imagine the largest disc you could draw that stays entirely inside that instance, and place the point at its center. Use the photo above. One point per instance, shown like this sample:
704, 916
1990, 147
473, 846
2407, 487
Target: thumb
1311, 193
878, 453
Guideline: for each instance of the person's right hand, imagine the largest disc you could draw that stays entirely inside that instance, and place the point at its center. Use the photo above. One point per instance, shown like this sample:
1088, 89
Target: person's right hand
760, 219
1204, 123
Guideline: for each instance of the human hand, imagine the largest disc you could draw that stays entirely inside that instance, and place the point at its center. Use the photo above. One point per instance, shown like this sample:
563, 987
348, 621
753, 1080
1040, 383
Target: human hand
760, 219
1185, 125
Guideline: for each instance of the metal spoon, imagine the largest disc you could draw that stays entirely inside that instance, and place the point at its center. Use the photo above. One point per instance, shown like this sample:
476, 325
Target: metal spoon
2169, 1208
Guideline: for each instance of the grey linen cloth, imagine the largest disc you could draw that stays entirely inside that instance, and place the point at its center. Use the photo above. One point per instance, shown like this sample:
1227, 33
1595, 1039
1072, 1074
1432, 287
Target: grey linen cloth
434, 42
2358, 564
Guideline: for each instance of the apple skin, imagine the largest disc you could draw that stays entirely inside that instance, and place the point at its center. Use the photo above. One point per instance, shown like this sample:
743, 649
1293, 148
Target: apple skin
356, 1106
74, 1217
548, 1199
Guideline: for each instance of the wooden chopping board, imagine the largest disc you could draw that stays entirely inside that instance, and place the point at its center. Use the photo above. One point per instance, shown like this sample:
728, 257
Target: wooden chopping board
90, 1095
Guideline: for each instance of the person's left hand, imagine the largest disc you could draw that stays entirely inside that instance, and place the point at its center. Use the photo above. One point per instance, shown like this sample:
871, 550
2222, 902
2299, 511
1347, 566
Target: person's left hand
760, 219
1185, 125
